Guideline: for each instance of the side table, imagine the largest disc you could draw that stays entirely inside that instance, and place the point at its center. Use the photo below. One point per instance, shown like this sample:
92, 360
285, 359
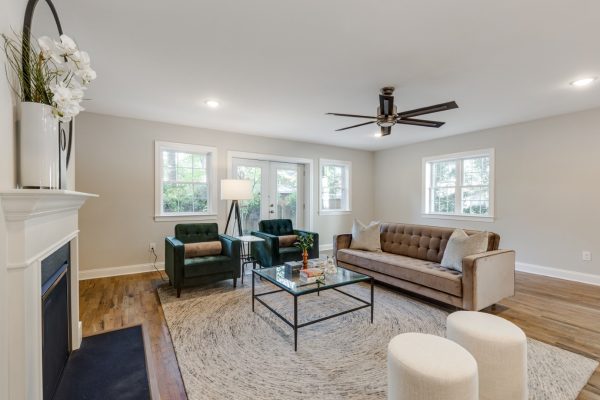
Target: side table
246, 255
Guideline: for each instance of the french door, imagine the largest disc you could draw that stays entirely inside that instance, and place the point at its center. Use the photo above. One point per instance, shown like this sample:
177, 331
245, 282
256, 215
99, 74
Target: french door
277, 192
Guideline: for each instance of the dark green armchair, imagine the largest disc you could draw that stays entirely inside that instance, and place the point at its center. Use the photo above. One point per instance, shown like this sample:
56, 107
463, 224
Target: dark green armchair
189, 271
269, 253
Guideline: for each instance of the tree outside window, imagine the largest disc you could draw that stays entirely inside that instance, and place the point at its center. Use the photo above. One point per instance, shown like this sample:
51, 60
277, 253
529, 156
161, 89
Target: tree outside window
334, 186
459, 184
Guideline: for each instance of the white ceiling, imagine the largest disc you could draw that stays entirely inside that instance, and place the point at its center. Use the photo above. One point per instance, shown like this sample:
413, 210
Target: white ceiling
277, 66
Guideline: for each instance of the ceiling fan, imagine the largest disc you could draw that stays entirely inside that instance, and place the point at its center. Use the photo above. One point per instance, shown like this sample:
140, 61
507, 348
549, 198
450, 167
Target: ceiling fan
388, 117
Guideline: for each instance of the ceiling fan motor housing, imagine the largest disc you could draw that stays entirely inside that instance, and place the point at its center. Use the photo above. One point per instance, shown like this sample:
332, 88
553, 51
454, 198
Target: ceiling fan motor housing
386, 120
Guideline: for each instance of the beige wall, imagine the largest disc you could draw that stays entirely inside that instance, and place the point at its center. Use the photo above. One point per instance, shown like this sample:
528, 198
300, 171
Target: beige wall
11, 15
115, 159
547, 187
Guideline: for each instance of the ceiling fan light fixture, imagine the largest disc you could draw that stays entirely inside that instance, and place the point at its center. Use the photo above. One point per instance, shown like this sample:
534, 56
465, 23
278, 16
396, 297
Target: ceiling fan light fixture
583, 82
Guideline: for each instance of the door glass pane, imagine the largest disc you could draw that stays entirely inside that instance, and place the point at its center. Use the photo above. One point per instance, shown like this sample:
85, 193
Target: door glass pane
287, 193
250, 209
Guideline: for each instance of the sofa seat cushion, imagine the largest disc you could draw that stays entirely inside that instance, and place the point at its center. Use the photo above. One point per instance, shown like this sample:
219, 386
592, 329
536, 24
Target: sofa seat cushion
290, 250
426, 273
208, 265
290, 254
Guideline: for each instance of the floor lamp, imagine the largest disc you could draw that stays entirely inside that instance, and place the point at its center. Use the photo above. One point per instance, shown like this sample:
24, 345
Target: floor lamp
235, 190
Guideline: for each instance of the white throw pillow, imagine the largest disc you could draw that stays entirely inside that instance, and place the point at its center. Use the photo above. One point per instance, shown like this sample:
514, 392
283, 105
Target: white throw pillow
366, 237
461, 245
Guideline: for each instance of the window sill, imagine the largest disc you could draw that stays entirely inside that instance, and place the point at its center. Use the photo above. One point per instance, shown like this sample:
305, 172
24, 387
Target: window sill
335, 212
185, 217
459, 217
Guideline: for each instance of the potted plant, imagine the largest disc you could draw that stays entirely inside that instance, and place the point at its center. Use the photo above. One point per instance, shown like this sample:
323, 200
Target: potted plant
49, 77
305, 243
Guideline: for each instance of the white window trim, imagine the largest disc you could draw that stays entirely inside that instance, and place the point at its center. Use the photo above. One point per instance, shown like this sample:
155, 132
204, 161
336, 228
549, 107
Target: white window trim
454, 156
211, 153
348, 164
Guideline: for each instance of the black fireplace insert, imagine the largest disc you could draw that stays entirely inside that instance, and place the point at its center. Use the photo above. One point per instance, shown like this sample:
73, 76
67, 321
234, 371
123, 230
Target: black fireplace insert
56, 318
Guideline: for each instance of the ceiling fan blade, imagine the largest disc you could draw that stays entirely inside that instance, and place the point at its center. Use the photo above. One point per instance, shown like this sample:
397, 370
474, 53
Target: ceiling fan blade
355, 126
428, 110
420, 122
386, 104
386, 130
351, 115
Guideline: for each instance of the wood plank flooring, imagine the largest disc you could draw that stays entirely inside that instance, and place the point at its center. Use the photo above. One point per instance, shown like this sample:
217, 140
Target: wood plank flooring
565, 314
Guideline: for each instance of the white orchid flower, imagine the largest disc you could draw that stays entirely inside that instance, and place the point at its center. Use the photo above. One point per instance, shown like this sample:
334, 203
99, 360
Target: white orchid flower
66, 46
49, 50
87, 74
46, 46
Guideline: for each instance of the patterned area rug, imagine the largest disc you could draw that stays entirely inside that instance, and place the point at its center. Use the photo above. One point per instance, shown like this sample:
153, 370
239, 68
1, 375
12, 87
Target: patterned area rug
227, 352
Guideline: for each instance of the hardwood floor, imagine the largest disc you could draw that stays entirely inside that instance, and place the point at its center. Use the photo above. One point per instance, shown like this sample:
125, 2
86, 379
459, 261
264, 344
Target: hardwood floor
565, 314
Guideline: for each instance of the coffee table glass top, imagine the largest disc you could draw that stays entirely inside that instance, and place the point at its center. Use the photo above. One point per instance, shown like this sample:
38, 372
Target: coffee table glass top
289, 280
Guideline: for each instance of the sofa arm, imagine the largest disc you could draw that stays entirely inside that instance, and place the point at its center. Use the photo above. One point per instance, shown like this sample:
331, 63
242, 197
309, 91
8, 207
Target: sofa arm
488, 278
230, 245
340, 242
267, 252
232, 248
314, 250
174, 259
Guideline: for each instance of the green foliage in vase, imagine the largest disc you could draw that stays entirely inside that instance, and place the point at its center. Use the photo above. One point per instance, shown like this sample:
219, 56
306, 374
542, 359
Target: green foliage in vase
305, 242
32, 69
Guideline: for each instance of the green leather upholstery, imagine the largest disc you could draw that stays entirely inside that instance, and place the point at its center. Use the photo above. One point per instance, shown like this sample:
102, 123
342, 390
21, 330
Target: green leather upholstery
277, 227
197, 233
268, 253
190, 271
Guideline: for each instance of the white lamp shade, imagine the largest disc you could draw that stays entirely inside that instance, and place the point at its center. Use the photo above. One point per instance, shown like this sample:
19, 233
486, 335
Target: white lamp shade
236, 189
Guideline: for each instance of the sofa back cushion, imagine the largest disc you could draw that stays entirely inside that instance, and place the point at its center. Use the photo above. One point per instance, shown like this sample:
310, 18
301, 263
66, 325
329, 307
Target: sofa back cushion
277, 227
422, 241
194, 233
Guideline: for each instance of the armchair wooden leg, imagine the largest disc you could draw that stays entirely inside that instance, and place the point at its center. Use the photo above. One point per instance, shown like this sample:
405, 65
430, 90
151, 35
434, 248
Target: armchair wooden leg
178, 291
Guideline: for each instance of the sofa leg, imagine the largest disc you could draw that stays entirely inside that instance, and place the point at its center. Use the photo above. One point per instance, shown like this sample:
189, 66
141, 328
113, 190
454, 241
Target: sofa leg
178, 292
234, 282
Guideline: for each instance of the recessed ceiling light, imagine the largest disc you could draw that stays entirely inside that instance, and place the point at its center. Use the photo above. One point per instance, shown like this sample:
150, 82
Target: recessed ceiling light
583, 82
212, 103
377, 134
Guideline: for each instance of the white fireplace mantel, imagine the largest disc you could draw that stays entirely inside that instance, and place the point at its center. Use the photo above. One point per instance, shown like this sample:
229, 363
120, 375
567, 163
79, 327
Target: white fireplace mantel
38, 222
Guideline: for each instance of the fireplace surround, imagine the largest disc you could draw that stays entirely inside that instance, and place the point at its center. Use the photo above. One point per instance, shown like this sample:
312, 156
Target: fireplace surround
38, 223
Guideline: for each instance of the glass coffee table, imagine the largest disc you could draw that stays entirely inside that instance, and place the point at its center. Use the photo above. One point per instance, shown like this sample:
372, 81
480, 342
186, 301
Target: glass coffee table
288, 280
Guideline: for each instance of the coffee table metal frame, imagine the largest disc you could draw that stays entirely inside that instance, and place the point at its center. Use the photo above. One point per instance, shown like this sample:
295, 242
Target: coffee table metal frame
294, 324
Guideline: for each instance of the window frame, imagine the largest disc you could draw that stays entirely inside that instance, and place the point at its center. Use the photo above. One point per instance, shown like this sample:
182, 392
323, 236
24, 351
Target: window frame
211, 180
323, 162
425, 181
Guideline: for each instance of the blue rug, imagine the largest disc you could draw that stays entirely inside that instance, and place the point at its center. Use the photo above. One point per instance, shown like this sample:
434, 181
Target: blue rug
109, 365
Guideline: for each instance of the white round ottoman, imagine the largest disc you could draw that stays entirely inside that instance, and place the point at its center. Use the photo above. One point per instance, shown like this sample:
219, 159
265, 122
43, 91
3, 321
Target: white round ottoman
500, 348
428, 367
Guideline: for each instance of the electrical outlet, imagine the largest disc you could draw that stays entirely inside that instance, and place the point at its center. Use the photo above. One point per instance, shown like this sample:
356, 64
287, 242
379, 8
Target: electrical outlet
152, 247
586, 255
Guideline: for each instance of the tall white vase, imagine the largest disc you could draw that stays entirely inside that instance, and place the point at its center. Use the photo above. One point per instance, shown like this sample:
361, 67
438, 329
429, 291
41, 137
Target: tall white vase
39, 147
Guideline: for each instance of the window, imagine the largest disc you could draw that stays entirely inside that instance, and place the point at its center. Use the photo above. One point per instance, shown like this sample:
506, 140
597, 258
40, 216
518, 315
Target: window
335, 194
185, 181
459, 185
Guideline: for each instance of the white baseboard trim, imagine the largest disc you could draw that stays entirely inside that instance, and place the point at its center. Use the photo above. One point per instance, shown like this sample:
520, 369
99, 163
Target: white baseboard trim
116, 271
558, 273
325, 247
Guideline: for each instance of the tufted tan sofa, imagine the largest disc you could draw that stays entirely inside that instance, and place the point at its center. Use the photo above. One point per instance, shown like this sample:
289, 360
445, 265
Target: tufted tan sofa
410, 259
